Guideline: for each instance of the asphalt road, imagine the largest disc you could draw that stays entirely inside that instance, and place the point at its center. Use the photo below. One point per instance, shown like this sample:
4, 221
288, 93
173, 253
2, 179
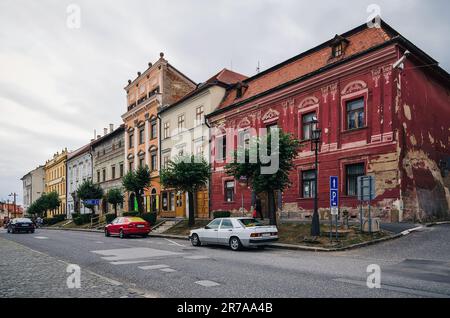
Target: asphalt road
417, 265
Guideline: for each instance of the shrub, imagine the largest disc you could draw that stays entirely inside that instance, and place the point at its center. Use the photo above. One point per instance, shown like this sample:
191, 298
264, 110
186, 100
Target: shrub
77, 221
221, 214
55, 219
109, 217
149, 217
132, 213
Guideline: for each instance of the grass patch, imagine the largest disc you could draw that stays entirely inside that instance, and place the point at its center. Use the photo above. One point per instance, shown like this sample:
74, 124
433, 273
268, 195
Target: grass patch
295, 233
183, 228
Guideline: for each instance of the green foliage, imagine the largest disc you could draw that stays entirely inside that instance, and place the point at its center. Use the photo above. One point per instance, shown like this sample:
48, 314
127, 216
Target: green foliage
89, 191
286, 150
80, 219
186, 173
114, 197
55, 219
109, 217
132, 213
149, 217
137, 182
221, 214
47, 201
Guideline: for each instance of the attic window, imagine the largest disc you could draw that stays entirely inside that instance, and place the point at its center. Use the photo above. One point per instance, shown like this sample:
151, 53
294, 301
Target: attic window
337, 50
338, 46
240, 89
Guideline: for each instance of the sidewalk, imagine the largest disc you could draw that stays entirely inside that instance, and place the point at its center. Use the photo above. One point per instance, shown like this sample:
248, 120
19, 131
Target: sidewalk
30, 274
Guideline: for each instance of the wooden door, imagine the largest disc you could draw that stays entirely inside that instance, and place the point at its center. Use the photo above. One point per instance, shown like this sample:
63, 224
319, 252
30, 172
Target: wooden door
180, 205
202, 204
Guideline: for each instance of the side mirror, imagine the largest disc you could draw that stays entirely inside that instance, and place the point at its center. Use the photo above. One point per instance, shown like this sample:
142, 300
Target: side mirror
207, 227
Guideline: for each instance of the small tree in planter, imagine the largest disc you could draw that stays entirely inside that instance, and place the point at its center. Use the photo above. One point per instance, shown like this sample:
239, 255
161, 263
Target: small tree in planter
48, 201
255, 171
89, 191
114, 197
137, 182
187, 174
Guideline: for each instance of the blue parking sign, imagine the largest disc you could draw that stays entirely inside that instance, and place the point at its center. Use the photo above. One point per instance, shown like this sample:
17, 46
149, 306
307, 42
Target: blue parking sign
334, 198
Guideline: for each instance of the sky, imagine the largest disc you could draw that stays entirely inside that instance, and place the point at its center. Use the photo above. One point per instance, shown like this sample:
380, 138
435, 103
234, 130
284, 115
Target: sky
60, 80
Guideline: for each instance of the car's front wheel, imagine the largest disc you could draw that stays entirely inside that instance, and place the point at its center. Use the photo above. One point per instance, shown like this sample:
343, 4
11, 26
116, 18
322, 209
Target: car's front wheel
121, 234
235, 243
8, 230
195, 240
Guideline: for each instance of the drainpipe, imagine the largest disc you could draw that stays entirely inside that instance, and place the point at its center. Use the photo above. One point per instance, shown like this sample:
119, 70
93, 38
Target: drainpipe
209, 160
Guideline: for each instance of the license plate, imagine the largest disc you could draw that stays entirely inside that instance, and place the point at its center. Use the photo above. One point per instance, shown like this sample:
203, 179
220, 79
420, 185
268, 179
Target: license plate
140, 225
24, 224
266, 234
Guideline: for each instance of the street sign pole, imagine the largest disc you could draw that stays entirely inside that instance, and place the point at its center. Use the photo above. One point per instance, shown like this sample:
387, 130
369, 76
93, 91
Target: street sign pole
334, 205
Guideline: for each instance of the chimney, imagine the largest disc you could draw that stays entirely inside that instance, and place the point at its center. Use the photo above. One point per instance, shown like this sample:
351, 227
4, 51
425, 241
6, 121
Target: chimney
105, 131
95, 133
111, 128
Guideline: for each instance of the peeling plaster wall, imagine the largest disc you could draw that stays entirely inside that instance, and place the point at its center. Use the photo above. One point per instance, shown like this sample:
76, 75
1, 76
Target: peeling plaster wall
423, 112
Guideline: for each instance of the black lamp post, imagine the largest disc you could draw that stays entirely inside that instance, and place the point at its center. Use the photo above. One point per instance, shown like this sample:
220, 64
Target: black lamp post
315, 144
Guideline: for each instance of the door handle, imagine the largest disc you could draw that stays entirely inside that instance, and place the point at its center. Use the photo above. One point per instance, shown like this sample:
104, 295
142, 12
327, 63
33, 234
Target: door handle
230, 230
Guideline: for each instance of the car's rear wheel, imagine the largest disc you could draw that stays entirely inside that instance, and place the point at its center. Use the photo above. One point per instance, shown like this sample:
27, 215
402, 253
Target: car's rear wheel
32, 231
195, 240
8, 230
145, 235
121, 234
13, 231
235, 243
107, 233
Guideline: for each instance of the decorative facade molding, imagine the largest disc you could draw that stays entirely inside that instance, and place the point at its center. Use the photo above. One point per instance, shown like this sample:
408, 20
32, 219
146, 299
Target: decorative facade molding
387, 72
245, 122
325, 91
309, 101
353, 87
376, 74
333, 90
270, 115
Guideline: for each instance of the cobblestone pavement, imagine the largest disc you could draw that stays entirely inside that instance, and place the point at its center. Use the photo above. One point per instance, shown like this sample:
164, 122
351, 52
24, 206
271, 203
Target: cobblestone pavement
28, 273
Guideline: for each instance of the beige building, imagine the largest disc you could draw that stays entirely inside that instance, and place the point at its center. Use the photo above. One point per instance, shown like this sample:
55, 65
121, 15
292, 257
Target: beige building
55, 180
33, 186
184, 132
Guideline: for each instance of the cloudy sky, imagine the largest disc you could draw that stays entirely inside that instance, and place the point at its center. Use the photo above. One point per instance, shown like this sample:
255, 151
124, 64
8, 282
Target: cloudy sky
58, 84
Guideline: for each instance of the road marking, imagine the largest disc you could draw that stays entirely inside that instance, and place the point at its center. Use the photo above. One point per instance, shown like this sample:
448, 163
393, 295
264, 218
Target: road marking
404, 290
173, 242
207, 283
99, 242
196, 257
149, 267
167, 270
129, 262
41, 237
133, 253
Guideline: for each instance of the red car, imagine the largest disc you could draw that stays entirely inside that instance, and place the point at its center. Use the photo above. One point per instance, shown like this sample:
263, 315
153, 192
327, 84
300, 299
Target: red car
125, 226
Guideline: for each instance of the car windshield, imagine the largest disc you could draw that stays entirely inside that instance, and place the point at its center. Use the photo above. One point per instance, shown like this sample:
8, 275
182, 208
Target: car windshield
23, 220
250, 222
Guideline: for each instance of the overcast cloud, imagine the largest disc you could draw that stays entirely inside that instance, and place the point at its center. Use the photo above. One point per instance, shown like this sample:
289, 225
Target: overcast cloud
58, 84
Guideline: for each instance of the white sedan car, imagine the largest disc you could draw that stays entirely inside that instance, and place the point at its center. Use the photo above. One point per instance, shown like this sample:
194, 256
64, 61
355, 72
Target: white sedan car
235, 232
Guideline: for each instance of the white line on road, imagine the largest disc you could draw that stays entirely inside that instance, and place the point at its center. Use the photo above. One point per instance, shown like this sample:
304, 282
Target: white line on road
173, 242
153, 267
129, 262
207, 283
167, 270
41, 237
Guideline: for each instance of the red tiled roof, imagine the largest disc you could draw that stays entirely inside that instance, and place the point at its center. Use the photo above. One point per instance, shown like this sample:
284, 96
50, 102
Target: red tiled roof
360, 39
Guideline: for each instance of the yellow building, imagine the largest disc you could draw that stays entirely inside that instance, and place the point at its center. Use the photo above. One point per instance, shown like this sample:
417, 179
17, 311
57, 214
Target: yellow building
55, 180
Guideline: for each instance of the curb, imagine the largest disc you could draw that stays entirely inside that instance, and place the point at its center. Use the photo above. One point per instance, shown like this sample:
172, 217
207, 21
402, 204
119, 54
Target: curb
71, 229
437, 223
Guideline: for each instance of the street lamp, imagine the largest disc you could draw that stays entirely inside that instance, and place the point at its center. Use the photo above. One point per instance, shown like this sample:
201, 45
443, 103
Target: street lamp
315, 144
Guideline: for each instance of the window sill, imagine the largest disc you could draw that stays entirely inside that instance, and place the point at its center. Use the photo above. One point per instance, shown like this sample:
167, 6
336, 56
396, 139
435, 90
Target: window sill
349, 131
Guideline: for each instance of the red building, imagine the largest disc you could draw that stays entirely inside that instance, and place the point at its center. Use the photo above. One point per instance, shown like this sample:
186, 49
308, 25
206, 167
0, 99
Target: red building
376, 119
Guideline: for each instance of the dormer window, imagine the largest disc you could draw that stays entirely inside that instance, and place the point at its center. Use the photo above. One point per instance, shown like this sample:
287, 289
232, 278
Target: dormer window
338, 46
240, 89
337, 50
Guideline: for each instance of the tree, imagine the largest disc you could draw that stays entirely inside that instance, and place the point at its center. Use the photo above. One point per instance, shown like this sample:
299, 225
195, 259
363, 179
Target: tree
47, 201
137, 182
188, 174
254, 170
89, 191
114, 197
36, 208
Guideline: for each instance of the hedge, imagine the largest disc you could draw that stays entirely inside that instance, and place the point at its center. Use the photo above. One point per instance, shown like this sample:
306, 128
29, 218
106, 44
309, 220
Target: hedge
149, 217
109, 217
221, 214
55, 219
80, 219
132, 213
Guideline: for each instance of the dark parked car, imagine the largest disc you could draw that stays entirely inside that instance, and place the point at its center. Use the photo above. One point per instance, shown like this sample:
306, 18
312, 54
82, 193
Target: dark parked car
21, 225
